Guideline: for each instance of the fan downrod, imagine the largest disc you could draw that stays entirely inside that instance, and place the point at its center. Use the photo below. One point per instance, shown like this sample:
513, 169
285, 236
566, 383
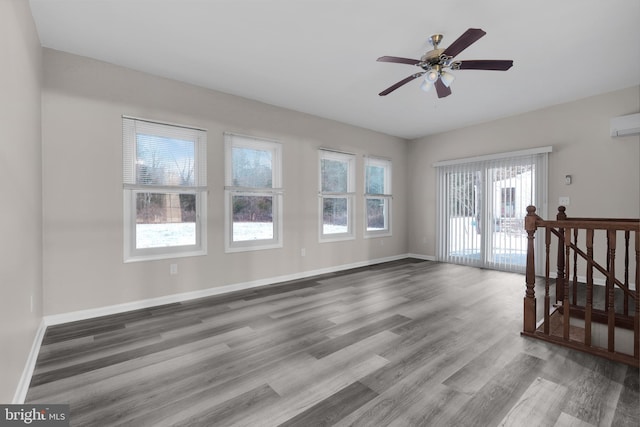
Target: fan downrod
435, 40
432, 57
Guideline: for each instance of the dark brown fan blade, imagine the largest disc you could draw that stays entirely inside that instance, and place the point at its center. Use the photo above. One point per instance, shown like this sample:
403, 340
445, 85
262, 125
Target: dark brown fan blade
486, 64
398, 60
464, 41
390, 89
442, 89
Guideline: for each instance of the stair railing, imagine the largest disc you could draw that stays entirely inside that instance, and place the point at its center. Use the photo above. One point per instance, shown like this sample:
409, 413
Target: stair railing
567, 231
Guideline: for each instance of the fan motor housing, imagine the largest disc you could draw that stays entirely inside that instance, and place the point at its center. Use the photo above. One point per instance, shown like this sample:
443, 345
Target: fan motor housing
431, 58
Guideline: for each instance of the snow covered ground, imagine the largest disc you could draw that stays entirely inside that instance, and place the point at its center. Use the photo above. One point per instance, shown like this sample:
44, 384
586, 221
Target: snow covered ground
184, 233
243, 231
509, 246
164, 235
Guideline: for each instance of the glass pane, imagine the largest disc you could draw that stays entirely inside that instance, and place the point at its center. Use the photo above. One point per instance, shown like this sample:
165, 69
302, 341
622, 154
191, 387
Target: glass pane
376, 214
252, 218
508, 202
335, 215
465, 217
165, 219
375, 180
164, 161
334, 176
512, 189
252, 168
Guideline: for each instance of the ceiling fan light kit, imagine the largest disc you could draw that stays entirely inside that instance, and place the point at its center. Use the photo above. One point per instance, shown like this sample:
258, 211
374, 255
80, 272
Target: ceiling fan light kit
436, 61
426, 85
432, 76
447, 78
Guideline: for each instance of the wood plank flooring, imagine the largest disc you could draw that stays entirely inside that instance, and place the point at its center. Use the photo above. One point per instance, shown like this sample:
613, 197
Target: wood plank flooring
406, 343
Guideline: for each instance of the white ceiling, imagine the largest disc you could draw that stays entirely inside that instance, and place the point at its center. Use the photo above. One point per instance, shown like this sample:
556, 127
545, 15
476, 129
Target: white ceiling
319, 56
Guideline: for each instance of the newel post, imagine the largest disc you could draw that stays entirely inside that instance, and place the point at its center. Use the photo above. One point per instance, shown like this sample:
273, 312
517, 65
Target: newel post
560, 277
530, 294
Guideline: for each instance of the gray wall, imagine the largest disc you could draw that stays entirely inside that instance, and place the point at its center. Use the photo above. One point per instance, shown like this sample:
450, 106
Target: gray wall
21, 191
605, 170
83, 101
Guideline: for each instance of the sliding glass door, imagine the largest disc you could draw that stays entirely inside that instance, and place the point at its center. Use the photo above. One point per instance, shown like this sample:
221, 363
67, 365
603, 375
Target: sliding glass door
482, 205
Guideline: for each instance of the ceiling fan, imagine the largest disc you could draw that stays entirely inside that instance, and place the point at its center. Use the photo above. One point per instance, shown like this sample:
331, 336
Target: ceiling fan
436, 62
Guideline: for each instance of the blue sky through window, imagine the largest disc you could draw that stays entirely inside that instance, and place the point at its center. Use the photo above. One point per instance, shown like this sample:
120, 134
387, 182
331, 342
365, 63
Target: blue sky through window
164, 161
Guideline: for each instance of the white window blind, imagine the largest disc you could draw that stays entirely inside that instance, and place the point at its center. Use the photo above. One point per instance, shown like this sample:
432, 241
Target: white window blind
482, 204
163, 155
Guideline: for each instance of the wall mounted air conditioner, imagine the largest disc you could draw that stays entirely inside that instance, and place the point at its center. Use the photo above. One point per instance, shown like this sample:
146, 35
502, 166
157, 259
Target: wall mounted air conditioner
626, 125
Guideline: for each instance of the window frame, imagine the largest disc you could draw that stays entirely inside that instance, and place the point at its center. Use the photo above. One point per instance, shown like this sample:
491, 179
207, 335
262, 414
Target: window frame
131, 128
276, 192
386, 196
349, 195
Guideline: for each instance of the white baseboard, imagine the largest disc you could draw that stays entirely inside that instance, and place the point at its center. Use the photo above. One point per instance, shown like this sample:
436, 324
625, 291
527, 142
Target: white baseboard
30, 365
423, 257
57, 319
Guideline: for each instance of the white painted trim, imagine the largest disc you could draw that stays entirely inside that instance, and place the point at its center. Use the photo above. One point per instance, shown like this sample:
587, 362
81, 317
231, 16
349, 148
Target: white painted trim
423, 257
529, 152
30, 365
540, 322
157, 122
57, 319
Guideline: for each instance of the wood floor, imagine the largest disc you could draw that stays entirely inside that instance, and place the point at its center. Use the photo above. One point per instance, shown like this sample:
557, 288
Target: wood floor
407, 343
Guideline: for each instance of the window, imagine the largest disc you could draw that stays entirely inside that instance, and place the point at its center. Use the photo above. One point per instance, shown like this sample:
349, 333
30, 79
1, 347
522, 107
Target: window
377, 197
253, 202
508, 202
337, 176
482, 203
165, 190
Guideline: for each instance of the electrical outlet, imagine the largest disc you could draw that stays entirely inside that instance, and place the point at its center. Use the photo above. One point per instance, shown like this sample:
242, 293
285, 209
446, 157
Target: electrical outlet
173, 269
564, 201
303, 252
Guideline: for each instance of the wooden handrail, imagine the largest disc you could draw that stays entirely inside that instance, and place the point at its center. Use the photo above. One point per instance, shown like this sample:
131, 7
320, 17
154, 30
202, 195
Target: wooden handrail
567, 230
594, 225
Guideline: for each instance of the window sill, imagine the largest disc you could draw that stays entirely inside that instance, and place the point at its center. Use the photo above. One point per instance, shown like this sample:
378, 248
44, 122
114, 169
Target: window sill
252, 247
374, 234
336, 239
156, 257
